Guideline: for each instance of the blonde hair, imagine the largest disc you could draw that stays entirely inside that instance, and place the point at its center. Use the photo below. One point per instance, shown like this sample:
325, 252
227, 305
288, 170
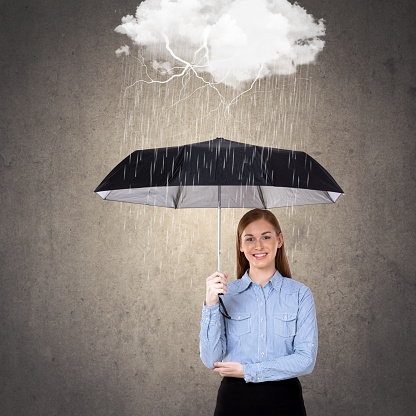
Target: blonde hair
281, 262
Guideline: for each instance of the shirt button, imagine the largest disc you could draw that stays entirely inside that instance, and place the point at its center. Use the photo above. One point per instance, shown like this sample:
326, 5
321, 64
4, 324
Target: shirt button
261, 303
258, 378
238, 317
261, 335
262, 354
261, 319
285, 318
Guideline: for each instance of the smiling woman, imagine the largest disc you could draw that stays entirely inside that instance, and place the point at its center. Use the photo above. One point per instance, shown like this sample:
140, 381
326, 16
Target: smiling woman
265, 220
270, 336
259, 243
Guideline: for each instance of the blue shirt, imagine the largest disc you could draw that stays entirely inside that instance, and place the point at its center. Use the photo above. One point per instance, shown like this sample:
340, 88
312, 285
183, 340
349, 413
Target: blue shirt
272, 331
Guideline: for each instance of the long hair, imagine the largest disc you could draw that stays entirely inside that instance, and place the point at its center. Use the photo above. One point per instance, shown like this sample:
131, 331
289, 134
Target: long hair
282, 265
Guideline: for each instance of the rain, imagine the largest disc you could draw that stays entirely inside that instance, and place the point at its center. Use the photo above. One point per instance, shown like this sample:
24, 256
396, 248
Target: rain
272, 108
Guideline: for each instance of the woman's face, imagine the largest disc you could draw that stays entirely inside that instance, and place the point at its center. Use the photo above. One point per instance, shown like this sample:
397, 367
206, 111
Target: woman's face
259, 243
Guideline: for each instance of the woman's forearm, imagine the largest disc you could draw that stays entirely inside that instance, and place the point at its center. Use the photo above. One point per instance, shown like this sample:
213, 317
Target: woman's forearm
211, 336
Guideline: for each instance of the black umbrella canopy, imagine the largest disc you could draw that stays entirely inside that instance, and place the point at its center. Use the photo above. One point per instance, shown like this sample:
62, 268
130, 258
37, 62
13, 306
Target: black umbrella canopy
200, 174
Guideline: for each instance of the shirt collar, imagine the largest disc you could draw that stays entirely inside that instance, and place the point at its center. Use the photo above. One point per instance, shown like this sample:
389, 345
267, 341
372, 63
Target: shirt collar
277, 281
245, 281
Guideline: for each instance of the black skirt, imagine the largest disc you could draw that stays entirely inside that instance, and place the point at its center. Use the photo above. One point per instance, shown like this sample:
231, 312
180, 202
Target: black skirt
277, 398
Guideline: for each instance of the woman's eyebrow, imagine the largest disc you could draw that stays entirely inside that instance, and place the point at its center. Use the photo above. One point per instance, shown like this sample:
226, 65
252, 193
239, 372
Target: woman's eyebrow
251, 235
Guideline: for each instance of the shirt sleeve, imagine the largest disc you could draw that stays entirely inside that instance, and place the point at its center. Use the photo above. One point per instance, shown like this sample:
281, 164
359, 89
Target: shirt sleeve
212, 335
305, 348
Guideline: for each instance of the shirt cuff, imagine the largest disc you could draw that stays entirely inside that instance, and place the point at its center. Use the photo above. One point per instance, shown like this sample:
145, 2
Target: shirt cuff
211, 313
252, 373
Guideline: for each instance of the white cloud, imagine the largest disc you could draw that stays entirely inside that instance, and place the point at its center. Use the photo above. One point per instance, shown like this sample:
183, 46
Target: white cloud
123, 49
243, 37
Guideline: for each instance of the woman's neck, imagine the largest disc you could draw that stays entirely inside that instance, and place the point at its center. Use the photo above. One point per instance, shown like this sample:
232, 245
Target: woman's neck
261, 276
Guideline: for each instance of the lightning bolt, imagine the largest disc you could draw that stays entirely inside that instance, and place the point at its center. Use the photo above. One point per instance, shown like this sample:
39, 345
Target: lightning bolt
189, 69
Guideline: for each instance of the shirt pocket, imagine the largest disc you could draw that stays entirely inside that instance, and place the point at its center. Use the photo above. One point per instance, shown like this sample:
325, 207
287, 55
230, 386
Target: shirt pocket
285, 324
239, 324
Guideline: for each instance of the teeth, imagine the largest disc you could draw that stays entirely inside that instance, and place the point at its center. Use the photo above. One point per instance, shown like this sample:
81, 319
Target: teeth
259, 255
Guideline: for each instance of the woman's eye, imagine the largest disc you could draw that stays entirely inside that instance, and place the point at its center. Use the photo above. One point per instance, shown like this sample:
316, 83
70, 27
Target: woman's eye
266, 237
249, 239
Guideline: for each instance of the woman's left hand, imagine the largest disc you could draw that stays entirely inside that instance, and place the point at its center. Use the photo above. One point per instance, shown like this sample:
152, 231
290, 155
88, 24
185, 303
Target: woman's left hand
229, 369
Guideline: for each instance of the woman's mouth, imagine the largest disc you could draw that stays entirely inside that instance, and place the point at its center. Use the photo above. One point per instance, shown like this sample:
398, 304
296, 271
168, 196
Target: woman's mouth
260, 255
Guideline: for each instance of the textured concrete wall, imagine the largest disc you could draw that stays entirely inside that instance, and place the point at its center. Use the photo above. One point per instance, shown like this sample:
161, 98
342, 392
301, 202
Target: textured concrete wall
100, 312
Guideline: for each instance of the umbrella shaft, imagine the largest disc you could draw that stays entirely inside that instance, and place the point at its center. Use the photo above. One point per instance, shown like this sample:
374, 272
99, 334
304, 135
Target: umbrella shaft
219, 227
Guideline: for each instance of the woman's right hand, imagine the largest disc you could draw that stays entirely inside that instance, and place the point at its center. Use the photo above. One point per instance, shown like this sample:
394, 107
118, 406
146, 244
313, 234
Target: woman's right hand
216, 284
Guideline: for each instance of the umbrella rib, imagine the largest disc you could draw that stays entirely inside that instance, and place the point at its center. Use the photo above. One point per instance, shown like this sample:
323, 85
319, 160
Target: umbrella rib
261, 196
176, 200
329, 196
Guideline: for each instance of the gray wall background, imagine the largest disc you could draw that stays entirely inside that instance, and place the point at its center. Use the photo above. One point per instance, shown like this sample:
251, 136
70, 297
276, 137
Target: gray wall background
100, 315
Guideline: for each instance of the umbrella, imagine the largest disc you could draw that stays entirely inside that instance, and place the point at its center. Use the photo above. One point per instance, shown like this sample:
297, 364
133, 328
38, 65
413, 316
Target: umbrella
219, 173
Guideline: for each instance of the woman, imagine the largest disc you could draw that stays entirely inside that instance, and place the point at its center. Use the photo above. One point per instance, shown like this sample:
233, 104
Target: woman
266, 335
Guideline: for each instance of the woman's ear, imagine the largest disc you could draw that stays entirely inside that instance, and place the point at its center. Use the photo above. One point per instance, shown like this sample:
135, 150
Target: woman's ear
280, 240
